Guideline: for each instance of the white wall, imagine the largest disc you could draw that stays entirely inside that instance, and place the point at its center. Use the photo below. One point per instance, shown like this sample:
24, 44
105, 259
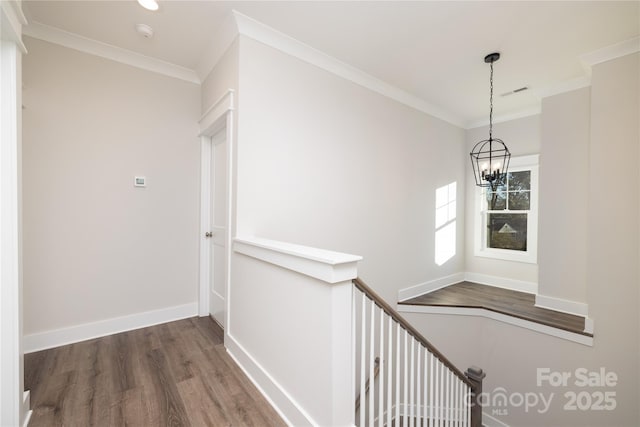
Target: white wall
562, 220
459, 338
522, 136
283, 323
511, 356
613, 279
326, 163
223, 76
97, 248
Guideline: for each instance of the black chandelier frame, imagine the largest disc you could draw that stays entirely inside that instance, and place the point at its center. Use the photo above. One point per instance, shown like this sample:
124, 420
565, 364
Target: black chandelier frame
490, 157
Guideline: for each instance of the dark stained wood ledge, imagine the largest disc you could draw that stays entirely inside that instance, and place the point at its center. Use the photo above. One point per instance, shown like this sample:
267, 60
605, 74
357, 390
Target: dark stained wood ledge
511, 303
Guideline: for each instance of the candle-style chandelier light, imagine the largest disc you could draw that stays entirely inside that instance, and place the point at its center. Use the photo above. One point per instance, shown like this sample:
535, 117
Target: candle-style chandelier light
490, 157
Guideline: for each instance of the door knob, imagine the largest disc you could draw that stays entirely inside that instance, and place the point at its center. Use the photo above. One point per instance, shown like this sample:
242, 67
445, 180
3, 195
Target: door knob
208, 234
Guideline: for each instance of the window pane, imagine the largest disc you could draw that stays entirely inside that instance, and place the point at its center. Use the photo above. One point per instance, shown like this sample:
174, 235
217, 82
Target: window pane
519, 200
520, 181
507, 231
496, 201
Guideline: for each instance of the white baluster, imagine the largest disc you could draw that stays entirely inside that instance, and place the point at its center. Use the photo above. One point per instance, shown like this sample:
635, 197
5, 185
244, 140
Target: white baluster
438, 395
454, 397
426, 376
458, 390
354, 342
372, 378
411, 383
418, 384
390, 374
432, 377
381, 375
406, 380
454, 404
468, 407
447, 407
363, 358
465, 410
398, 374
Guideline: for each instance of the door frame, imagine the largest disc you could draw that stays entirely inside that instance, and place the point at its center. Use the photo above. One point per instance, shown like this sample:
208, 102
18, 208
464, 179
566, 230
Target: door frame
14, 400
218, 118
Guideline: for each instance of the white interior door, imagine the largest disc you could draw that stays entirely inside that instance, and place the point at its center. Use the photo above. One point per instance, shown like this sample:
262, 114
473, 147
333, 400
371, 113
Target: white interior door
218, 230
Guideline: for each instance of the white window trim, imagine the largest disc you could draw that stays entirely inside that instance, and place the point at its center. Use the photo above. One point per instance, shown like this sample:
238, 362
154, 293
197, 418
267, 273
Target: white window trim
531, 254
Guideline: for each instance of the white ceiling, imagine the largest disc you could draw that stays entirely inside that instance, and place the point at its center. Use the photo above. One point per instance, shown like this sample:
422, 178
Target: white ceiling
433, 50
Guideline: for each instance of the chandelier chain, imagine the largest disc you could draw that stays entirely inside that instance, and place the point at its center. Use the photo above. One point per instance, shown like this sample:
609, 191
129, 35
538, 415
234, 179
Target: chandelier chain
491, 103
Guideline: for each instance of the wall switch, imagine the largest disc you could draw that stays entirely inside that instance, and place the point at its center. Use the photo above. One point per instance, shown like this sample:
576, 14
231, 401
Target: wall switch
139, 181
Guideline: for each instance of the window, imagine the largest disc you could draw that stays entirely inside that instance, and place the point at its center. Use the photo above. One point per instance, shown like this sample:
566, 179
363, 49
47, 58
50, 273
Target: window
445, 223
507, 224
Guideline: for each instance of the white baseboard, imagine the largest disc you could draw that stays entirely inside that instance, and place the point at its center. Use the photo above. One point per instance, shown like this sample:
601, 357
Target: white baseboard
502, 282
504, 318
284, 404
26, 408
412, 410
563, 305
217, 307
483, 279
73, 334
589, 325
430, 286
490, 421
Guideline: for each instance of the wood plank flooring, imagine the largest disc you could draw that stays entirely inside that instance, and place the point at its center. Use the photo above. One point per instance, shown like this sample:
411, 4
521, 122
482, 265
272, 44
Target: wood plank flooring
174, 374
505, 301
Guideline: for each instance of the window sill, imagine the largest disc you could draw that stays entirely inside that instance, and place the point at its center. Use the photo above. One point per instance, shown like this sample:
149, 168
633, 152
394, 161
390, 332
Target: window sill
504, 305
507, 255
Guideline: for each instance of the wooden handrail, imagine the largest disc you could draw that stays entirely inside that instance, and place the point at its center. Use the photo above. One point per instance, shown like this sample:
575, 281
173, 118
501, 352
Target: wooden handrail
376, 371
411, 330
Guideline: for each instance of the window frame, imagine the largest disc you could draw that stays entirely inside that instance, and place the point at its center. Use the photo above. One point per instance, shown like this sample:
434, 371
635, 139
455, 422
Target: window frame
517, 164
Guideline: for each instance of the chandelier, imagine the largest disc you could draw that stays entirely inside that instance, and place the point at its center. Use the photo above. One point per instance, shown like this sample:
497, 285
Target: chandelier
490, 157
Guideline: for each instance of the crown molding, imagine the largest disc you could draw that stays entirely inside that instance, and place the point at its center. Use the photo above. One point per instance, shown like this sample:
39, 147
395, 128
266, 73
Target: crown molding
588, 60
12, 21
566, 86
73, 41
533, 111
262, 33
608, 53
237, 23
16, 5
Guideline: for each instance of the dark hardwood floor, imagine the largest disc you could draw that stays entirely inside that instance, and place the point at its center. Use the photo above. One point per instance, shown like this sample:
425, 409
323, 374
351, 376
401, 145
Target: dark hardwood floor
512, 303
174, 374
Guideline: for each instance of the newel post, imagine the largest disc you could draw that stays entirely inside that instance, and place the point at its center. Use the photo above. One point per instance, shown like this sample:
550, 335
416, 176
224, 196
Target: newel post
475, 376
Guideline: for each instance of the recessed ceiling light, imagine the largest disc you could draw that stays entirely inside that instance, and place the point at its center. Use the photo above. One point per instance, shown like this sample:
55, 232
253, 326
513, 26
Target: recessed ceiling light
144, 30
149, 4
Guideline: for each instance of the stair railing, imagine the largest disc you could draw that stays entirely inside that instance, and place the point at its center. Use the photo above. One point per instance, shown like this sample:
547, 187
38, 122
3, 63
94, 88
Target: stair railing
376, 371
417, 385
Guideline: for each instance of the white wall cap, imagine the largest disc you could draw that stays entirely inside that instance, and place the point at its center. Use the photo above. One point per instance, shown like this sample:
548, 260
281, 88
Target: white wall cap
328, 266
